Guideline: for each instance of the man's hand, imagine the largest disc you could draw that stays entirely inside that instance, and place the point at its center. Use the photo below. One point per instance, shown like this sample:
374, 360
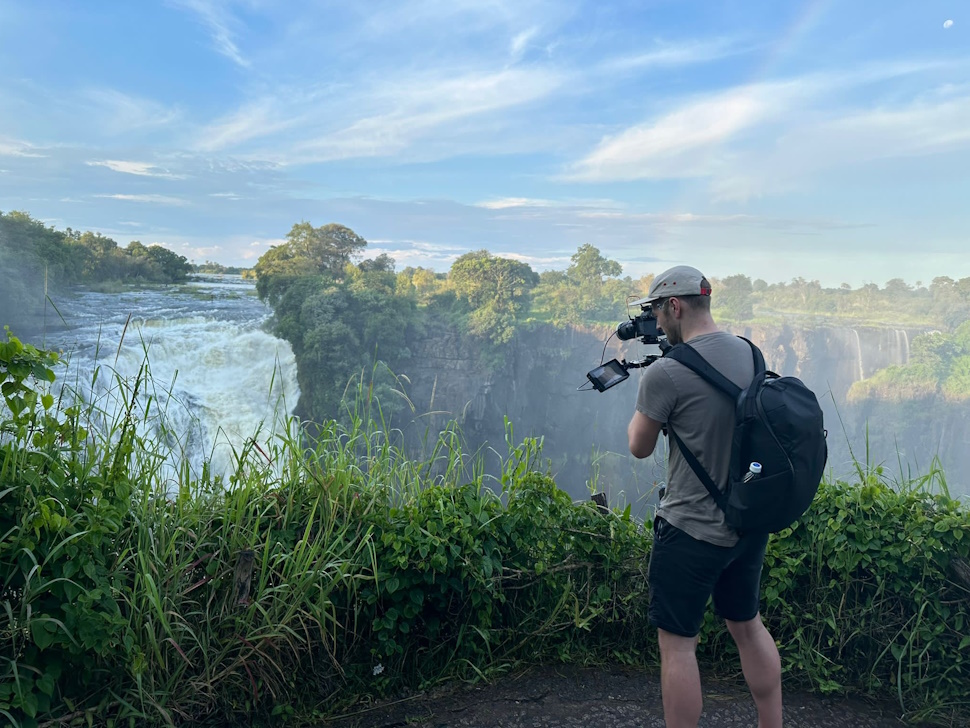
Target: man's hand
642, 433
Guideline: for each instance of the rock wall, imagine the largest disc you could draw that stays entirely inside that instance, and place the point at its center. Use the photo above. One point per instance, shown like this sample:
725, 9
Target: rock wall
538, 385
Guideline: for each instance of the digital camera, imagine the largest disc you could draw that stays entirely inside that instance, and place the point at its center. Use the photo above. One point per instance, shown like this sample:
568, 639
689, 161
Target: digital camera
643, 326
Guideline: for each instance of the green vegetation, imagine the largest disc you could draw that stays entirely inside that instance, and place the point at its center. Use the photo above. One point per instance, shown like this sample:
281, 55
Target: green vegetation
496, 291
73, 257
311, 580
37, 259
939, 368
219, 269
338, 314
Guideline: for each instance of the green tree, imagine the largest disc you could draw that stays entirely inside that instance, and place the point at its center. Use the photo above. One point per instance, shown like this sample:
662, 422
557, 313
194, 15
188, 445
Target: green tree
732, 298
308, 251
588, 291
325, 249
497, 291
174, 268
589, 267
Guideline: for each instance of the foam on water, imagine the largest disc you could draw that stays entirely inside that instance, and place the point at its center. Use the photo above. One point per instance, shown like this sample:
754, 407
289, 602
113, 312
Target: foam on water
217, 377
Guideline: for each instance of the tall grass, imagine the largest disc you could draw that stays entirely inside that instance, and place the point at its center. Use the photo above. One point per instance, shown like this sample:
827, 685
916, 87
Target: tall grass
324, 572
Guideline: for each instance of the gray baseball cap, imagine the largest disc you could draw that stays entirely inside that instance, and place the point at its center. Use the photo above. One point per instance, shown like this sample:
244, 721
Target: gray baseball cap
681, 280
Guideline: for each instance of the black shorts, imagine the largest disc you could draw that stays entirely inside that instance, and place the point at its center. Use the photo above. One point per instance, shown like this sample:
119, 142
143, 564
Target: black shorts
684, 573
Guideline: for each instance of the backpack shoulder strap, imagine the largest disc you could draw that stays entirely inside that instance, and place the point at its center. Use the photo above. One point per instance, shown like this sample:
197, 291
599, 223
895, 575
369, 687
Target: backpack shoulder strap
702, 475
690, 358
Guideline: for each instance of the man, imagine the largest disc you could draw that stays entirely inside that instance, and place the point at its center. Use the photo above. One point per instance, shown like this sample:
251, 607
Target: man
695, 553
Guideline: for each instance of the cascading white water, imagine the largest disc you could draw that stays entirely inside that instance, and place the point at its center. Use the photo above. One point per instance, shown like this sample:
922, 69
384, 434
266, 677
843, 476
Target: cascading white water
217, 378
858, 347
905, 336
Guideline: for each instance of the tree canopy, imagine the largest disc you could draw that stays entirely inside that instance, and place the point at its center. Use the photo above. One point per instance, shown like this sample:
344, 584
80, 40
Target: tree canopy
36, 258
496, 290
308, 251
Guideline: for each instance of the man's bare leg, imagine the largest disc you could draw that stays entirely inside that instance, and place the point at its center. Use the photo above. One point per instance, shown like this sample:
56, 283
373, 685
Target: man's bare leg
762, 668
680, 680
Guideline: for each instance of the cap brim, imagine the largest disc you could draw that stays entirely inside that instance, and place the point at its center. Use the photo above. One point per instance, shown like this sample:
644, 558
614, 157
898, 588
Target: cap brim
646, 299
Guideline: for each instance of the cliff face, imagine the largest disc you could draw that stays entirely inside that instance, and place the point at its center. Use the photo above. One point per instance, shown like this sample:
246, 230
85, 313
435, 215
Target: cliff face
536, 386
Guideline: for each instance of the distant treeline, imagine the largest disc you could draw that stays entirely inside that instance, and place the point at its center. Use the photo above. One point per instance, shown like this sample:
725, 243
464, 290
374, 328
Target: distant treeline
70, 256
339, 311
337, 308
36, 260
219, 269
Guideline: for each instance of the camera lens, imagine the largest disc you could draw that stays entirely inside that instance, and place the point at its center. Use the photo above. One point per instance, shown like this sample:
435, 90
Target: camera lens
626, 330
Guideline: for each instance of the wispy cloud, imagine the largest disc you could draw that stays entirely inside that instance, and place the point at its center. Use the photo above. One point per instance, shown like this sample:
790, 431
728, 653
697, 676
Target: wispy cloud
920, 128
419, 109
666, 55
141, 169
682, 142
507, 202
257, 247
11, 148
386, 118
521, 41
721, 134
116, 112
671, 219
220, 23
255, 120
417, 253
153, 199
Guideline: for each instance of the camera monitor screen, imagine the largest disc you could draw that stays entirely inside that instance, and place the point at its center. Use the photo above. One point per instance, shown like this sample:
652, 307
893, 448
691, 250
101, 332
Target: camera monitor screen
606, 376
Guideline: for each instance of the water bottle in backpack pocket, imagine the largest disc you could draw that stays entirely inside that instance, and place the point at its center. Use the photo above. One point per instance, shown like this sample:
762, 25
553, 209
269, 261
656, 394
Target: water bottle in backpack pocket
778, 425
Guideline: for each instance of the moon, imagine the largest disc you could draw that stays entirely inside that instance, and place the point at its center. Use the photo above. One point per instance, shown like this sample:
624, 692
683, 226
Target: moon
947, 24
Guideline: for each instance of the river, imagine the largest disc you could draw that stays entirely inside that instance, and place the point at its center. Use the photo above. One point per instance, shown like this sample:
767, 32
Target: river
217, 377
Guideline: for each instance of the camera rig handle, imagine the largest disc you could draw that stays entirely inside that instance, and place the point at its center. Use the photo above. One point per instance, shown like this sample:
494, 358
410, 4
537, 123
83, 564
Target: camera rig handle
644, 362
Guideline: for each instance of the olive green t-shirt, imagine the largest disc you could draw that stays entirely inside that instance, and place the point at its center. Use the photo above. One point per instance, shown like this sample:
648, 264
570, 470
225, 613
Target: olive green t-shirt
703, 418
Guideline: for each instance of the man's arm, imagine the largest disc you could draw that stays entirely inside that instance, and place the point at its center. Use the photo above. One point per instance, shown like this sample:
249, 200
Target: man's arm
642, 433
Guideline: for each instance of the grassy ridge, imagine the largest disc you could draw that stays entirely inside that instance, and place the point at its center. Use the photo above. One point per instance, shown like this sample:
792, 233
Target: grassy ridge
313, 579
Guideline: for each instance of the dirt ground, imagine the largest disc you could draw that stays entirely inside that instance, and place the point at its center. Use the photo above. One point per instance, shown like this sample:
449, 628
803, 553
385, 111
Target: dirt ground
602, 697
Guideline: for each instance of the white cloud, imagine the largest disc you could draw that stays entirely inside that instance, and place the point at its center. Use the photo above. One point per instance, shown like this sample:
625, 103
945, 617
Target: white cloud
453, 105
417, 253
262, 118
671, 54
393, 116
256, 248
681, 143
154, 199
10, 148
947, 23
809, 122
507, 202
205, 252
219, 22
117, 112
420, 109
141, 169
923, 127
541, 262
521, 41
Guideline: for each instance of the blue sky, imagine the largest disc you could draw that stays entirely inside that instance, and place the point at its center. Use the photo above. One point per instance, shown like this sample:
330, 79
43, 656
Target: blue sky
821, 139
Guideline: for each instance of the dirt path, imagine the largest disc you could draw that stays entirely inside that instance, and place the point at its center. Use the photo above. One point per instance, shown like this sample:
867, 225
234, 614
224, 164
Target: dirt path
602, 697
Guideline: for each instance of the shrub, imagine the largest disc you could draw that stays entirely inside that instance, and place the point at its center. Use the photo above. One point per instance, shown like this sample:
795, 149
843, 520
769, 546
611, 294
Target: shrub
316, 577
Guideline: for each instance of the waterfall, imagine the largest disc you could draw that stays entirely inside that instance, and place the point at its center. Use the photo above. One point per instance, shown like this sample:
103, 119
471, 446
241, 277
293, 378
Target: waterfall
216, 377
858, 347
905, 334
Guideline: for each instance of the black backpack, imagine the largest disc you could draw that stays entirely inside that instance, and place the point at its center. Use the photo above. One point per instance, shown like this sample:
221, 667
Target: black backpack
778, 423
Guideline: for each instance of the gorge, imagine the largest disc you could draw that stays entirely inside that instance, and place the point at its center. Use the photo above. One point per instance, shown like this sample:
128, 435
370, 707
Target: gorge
536, 387
211, 339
